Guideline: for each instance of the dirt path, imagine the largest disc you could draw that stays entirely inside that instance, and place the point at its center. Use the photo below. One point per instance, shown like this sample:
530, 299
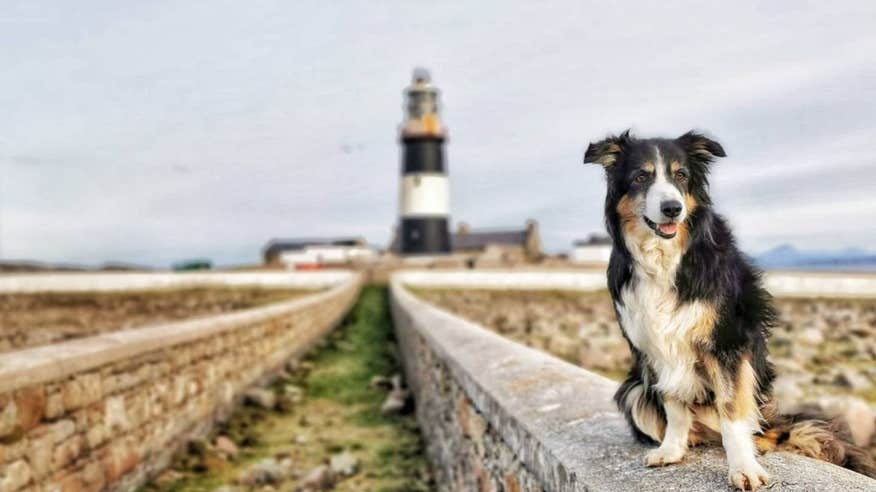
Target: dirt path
326, 408
29, 320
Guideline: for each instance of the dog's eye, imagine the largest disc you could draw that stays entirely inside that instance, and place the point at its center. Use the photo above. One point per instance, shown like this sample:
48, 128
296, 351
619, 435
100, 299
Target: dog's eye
641, 177
680, 175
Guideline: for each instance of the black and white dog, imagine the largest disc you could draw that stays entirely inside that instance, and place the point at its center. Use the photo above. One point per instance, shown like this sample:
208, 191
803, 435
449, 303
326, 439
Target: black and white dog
696, 316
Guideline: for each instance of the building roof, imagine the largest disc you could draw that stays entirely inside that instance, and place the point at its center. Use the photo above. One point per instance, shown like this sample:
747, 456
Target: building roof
279, 245
594, 240
480, 239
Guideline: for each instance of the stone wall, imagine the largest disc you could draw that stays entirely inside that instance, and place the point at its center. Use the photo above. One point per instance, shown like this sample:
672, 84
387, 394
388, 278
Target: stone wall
499, 416
107, 412
469, 453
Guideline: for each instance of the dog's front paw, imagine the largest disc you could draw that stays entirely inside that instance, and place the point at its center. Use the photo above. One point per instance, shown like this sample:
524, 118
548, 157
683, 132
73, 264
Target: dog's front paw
748, 476
663, 456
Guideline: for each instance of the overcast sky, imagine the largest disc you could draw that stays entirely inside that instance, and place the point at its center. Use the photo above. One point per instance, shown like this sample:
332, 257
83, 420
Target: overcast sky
154, 131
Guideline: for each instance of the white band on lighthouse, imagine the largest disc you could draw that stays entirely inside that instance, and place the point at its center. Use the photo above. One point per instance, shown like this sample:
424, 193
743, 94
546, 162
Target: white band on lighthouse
424, 195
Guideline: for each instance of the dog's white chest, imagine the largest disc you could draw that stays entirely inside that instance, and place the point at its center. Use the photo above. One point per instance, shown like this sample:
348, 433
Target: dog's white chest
660, 328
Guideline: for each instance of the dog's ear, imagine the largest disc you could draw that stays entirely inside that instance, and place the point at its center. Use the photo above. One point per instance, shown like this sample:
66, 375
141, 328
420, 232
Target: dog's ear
605, 152
699, 147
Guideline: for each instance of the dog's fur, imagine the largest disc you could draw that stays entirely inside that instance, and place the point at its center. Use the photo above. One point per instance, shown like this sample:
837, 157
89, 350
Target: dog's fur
696, 316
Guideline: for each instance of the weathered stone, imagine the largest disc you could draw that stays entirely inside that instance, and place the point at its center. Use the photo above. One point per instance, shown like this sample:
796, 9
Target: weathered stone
67, 451
344, 464
787, 393
96, 435
852, 380
511, 483
118, 460
261, 397
395, 402
15, 476
93, 475
55, 405
471, 424
265, 472
860, 419
317, 479
62, 429
30, 404
82, 391
71, 482
8, 416
811, 336
293, 393
227, 447
39, 453
380, 382
116, 418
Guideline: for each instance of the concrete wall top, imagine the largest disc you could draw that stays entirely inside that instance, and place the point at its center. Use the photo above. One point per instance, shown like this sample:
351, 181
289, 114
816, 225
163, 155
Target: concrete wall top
780, 283
50, 362
511, 279
821, 284
561, 422
99, 281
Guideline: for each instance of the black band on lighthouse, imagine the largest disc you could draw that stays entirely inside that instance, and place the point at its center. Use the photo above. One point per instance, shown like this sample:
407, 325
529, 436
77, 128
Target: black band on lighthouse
423, 155
424, 235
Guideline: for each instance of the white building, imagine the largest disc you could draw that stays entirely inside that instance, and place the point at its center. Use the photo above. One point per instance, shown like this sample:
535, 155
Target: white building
315, 253
594, 250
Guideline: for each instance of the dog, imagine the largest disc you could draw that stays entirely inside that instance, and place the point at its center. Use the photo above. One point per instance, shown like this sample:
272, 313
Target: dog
696, 316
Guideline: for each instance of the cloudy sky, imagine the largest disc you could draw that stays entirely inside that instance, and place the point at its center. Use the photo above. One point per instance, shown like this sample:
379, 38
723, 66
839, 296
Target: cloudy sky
154, 131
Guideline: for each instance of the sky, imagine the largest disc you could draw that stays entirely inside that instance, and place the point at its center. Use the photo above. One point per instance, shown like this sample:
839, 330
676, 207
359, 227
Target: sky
150, 132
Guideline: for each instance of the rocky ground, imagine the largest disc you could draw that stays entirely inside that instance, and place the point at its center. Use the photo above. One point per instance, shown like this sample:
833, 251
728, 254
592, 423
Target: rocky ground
29, 320
823, 349
339, 420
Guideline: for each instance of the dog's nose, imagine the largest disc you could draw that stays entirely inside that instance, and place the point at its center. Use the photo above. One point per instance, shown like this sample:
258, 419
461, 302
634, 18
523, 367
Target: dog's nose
671, 208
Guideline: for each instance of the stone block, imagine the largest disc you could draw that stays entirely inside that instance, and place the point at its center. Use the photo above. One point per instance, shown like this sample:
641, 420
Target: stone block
115, 415
96, 436
67, 451
93, 476
62, 429
39, 453
30, 406
71, 482
55, 405
118, 460
83, 390
8, 416
16, 476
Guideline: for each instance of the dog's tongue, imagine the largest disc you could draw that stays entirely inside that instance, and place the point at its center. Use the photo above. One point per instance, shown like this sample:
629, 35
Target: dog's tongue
668, 229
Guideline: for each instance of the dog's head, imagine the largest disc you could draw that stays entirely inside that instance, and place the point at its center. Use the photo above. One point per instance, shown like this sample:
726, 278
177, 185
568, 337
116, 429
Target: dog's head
654, 184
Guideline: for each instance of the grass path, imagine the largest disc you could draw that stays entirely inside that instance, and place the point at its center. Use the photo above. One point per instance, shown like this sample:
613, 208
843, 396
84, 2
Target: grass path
339, 412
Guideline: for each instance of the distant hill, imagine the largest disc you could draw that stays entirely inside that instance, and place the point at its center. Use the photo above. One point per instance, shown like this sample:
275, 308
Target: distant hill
787, 256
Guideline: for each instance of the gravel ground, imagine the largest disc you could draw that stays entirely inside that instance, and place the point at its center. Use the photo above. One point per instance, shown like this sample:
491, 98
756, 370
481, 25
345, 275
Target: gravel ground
30, 320
823, 349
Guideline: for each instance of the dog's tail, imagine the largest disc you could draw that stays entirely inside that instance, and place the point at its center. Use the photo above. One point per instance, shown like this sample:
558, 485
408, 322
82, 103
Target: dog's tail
817, 437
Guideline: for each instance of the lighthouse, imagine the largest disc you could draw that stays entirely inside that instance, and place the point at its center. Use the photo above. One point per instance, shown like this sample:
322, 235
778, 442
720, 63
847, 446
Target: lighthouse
424, 195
